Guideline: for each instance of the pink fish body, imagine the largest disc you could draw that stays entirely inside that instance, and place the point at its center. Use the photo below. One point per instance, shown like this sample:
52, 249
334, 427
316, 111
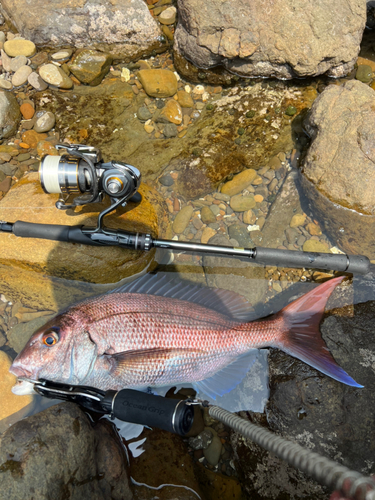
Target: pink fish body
155, 339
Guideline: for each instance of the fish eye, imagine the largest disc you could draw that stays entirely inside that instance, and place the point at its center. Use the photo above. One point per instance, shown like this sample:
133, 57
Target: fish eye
50, 337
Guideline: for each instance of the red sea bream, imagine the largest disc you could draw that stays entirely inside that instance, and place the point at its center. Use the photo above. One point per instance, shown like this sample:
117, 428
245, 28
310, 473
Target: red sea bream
156, 333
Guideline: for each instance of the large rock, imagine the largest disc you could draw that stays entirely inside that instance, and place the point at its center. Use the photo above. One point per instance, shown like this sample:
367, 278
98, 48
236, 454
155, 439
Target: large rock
315, 411
10, 114
57, 454
27, 202
282, 38
124, 28
338, 172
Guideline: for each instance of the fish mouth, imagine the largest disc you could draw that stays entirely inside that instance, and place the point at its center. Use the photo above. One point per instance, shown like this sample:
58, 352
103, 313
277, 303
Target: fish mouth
21, 372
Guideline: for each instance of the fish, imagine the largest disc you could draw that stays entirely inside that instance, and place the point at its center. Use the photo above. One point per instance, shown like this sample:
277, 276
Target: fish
158, 332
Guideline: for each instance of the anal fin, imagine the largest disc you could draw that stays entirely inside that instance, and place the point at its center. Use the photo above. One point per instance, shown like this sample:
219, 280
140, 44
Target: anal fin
228, 378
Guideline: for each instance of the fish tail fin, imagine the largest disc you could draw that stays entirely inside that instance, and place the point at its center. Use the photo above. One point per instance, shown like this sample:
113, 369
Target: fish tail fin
301, 337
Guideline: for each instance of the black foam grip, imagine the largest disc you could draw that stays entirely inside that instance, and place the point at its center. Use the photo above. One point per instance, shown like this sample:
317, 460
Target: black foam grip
56, 232
172, 415
338, 262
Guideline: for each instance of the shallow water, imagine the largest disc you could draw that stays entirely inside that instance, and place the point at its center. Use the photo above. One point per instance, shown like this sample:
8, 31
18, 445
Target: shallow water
269, 288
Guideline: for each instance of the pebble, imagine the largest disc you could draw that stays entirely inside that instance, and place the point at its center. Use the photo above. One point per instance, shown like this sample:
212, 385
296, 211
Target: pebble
2, 35
166, 180
62, 55
170, 130
17, 62
168, 16
313, 229
240, 203
215, 209
182, 219
27, 110
31, 137
55, 76
5, 84
239, 182
37, 82
149, 128
273, 184
143, 114
312, 245
19, 47
297, 220
208, 233
45, 121
46, 148
5, 60
5, 184
213, 452
21, 76
172, 112
240, 233
185, 100
158, 82
364, 73
249, 217
207, 216
202, 441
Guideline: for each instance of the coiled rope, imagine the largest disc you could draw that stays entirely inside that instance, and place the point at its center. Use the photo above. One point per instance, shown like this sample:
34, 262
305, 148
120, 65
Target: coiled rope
325, 471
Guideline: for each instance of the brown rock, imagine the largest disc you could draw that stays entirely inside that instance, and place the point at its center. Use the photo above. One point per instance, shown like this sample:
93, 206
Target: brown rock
313, 229
207, 216
185, 100
28, 202
172, 112
158, 82
27, 110
239, 182
5, 185
32, 138
46, 148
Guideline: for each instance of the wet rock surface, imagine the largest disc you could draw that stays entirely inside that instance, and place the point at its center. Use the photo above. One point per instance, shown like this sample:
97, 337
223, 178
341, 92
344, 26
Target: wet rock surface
338, 172
59, 259
268, 40
126, 29
57, 454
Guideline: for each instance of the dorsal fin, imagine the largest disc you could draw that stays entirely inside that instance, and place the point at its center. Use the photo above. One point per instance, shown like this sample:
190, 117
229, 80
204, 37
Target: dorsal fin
225, 302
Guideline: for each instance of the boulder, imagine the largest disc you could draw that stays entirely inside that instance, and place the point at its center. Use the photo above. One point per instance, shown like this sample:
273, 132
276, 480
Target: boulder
27, 201
283, 38
10, 114
126, 29
338, 174
58, 454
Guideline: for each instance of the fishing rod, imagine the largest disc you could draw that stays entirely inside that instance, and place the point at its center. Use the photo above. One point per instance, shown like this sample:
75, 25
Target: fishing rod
80, 170
177, 416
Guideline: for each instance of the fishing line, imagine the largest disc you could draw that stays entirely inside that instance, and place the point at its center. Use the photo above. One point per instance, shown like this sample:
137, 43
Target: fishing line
335, 476
163, 485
